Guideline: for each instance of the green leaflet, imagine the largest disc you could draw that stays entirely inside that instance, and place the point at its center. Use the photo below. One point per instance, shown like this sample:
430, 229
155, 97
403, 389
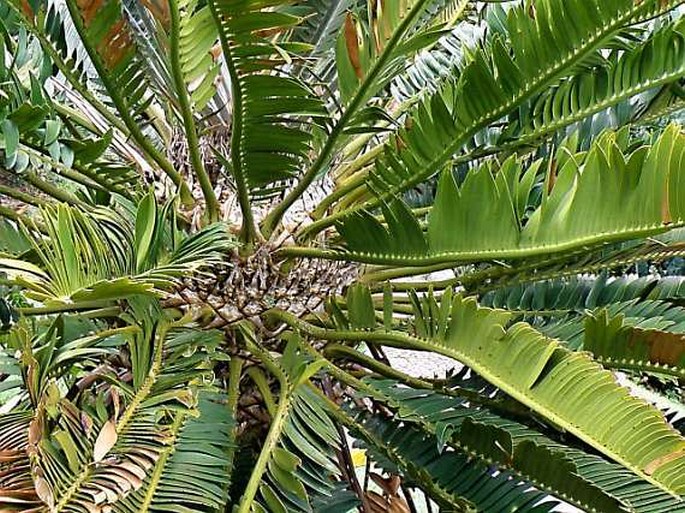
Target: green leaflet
10, 134
12, 240
605, 194
146, 228
360, 305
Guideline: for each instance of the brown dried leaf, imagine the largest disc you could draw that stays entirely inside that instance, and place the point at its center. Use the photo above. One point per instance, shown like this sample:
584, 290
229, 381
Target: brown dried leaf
386, 504
116, 401
352, 44
552, 176
44, 491
389, 485
159, 9
662, 347
86, 423
11, 455
26, 7
105, 441
35, 430
89, 9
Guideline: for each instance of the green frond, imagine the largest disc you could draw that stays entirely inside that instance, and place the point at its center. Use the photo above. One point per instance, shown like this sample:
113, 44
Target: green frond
92, 258
539, 46
583, 261
99, 451
589, 198
297, 461
652, 63
270, 138
192, 473
448, 428
369, 50
453, 479
194, 71
561, 308
582, 292
477, 337
564, 387
108, 41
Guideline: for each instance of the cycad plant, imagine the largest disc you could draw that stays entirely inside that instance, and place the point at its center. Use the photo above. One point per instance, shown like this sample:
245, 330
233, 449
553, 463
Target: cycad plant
222, 218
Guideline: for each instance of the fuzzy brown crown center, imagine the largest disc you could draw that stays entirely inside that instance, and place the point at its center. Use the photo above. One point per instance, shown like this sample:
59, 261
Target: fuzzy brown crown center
246, 288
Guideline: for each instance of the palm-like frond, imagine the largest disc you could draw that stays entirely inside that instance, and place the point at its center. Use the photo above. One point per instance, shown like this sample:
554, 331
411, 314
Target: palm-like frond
98, 257
97, 451
36, 137
616, 342
570, 310
446, 430
296, 462
639, 192
532, 368
192, 472
268, 105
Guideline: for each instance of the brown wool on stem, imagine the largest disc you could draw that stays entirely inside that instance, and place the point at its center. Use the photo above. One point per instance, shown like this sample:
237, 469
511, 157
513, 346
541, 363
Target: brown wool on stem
246, 288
